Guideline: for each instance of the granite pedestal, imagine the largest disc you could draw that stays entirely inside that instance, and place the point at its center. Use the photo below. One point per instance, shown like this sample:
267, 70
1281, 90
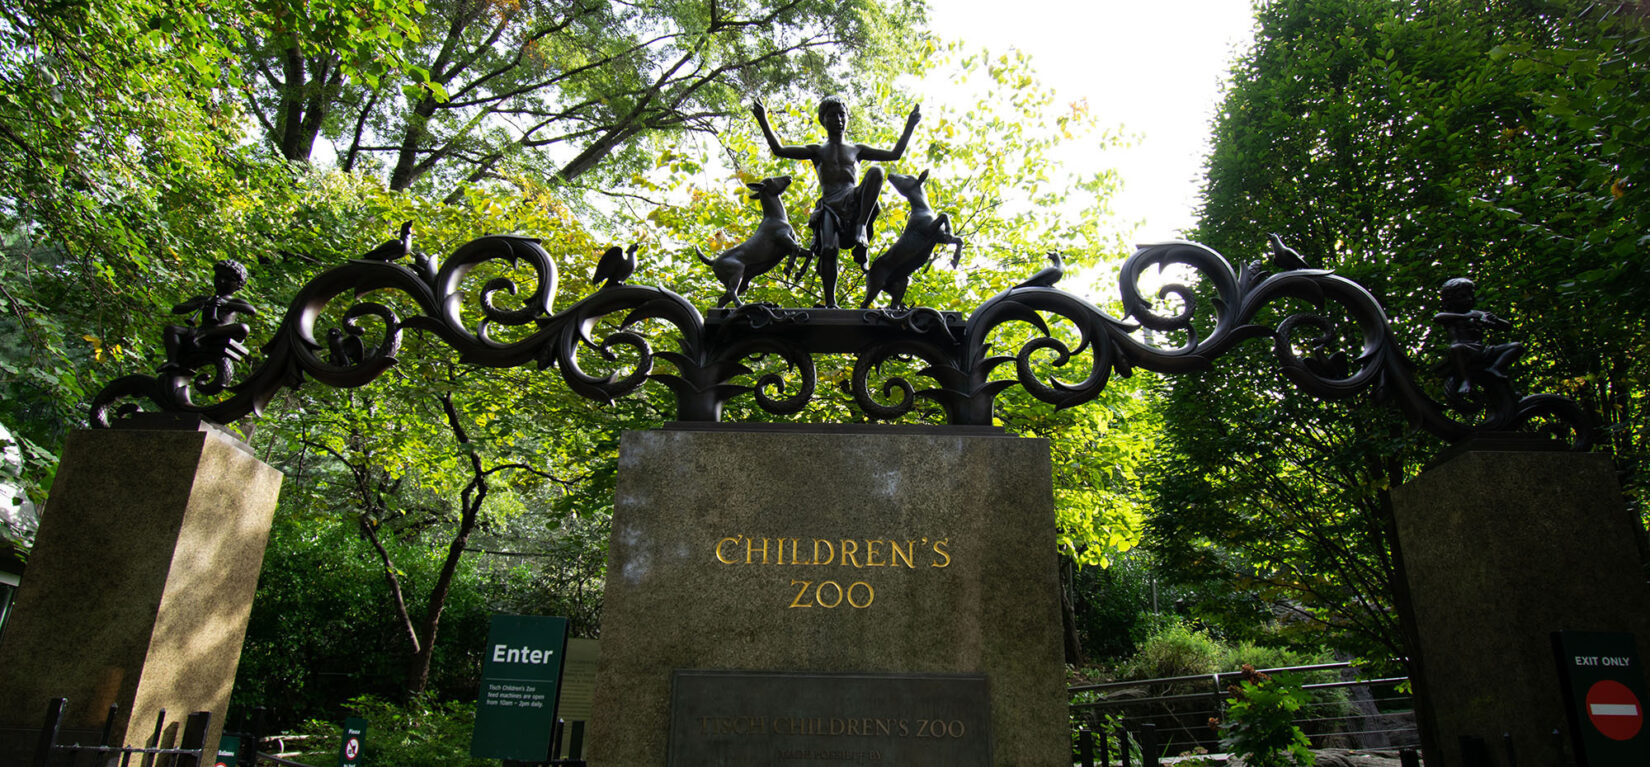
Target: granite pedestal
139, 585
1499, 548
854, 560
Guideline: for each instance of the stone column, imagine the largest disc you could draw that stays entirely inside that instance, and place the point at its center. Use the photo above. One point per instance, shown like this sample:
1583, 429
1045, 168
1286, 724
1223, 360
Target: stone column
139, 585
1498, 547
837, 589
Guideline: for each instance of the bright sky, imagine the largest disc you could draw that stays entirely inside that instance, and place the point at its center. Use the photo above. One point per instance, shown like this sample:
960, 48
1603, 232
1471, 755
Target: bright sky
1154, 67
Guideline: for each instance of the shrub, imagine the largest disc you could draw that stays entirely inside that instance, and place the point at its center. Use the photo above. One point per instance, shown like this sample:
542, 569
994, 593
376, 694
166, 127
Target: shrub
1174, 650
422, 732
1260, 721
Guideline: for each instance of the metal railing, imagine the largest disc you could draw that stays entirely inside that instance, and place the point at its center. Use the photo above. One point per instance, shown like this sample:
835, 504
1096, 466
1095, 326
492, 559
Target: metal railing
187, 753
255, 742
1183, 712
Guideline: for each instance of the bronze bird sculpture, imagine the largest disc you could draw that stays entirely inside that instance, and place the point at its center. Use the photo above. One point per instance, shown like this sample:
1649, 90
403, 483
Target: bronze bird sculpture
1284, 258
1049, 275
395, 249
615, 267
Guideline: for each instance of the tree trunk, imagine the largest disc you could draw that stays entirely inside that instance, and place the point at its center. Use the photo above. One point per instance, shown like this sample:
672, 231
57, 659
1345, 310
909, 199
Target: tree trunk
470, 503
418, 675
1068, 617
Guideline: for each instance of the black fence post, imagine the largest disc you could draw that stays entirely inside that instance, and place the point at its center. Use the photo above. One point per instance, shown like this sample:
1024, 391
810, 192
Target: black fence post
1148, 745
1123, 745
1105, 747
154, 738
575, 746
108, 735
1507, 745
1085, 747
1409, 757
48, 731
1474, 752
260, 725
194, 738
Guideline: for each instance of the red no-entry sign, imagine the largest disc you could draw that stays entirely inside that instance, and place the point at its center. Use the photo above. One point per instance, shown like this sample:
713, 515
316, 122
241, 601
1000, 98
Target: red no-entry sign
1614, 710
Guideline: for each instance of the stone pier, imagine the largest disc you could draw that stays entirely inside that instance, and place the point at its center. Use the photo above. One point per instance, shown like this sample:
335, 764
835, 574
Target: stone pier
139, 585
1500, 546
876, 594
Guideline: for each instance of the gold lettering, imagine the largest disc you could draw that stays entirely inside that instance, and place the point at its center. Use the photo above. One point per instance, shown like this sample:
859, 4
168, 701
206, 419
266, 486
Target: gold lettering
830, 551
894, 553
838, 726
939, 548
722, 559
750, 550
870, 594
904, 728
797, 602
779, 560
819, 594
794, 549
882, 727
850, 552
853, 726
871, 552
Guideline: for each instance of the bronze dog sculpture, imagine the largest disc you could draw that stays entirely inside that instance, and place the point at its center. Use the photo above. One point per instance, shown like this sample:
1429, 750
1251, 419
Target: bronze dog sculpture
771, 243
924, 231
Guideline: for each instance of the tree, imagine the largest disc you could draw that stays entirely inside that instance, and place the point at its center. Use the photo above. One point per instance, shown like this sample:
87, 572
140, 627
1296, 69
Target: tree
404, 452
1378, 139
493, 91
125, 177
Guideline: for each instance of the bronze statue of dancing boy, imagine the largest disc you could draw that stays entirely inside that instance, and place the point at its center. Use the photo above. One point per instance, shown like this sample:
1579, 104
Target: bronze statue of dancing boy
844, 215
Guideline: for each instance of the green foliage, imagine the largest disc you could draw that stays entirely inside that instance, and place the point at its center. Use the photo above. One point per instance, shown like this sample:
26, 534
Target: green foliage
422, 732
1103, 726
994, 167
1113, 606
1378, 139
131, 172
1174, 648
1271, 504
466, 92
1260, 722
323, 628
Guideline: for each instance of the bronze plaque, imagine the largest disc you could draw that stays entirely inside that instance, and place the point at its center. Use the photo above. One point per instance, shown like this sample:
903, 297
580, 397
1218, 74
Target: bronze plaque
798, 719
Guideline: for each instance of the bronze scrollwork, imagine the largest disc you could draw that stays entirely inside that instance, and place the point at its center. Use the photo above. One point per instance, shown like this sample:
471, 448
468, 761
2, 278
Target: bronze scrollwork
953, 351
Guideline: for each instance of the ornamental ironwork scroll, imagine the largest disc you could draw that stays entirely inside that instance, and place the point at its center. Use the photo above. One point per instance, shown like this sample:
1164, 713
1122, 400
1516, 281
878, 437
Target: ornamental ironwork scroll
950, 353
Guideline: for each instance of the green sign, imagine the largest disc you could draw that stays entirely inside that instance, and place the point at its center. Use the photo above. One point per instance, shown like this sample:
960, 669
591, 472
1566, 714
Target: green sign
229, 747
350, 750
1604, 693
520, 672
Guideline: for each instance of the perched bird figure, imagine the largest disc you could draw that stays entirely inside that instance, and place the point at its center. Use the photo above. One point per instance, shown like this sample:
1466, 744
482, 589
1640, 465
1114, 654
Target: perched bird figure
393, 250
1049, 275
345, 349
1284, 258
615, 267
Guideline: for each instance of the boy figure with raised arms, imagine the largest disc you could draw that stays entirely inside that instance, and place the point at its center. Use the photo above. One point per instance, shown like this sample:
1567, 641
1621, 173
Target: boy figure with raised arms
845, 212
